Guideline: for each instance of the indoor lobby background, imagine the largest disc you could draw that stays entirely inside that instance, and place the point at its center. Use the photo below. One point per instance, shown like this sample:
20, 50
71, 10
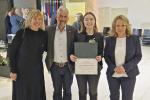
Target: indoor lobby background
105, 10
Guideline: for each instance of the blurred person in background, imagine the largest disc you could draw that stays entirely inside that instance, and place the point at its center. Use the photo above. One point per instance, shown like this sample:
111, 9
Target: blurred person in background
25, 12
16, 21
8, 23
78, 24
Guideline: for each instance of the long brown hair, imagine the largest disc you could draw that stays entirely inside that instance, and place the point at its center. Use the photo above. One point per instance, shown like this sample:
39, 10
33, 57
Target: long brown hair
95, 26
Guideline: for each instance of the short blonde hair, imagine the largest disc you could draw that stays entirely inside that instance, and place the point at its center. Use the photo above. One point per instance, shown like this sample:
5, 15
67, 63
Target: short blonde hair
32, 14
125, 20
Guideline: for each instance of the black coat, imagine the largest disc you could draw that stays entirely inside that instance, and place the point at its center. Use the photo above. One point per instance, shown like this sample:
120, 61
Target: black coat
26, 60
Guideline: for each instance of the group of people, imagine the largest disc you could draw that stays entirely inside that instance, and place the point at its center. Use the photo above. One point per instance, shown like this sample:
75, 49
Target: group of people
122, 53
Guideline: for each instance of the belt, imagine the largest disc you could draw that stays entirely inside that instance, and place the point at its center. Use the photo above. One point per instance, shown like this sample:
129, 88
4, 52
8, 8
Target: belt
60, 64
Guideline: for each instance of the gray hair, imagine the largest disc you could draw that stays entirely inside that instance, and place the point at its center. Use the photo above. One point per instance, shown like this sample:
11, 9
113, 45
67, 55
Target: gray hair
62, 9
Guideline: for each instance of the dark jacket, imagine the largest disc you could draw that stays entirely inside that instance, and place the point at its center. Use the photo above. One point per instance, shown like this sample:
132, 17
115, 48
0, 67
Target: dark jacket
132, 58
71, 36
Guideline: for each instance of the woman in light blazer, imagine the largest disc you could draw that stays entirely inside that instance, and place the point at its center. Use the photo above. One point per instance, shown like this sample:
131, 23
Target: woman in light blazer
122, 54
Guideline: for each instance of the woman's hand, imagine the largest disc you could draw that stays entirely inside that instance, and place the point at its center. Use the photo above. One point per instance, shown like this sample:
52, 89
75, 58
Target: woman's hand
73, 58
98, 58
119, 70
13, 76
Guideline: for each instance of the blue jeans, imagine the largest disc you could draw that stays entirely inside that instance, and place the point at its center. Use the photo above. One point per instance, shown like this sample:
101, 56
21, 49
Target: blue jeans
62, 79
92, 81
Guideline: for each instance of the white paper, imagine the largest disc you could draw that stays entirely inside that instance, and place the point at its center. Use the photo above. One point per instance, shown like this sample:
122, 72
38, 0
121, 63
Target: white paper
86, 66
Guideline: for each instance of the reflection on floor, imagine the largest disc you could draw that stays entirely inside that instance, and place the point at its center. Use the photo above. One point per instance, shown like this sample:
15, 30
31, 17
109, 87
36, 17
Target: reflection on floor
142, 89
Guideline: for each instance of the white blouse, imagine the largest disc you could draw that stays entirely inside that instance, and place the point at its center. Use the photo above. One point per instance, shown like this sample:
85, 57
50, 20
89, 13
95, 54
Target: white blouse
120, 53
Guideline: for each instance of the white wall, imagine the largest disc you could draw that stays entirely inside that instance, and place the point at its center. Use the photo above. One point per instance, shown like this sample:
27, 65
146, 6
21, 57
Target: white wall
138, 10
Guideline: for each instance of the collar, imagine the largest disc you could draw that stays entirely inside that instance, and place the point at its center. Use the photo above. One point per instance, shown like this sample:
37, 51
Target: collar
59, 29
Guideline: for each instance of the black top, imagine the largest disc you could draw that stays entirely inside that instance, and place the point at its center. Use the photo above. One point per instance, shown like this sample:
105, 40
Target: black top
90, 37
27, 48
97, 37
26, 60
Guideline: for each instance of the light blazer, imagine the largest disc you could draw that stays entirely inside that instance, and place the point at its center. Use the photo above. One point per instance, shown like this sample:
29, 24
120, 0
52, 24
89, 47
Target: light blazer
132, 58
71, 36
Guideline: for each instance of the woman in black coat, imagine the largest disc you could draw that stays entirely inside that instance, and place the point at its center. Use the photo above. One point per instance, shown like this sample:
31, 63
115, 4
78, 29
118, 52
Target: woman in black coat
26, 59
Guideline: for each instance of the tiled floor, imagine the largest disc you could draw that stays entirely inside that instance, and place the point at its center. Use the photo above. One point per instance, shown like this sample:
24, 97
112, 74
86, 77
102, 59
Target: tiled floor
142, 89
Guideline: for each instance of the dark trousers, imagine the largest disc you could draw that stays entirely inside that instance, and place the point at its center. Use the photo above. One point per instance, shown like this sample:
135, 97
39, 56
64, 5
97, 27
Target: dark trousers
92, 82
127, 87
62, 79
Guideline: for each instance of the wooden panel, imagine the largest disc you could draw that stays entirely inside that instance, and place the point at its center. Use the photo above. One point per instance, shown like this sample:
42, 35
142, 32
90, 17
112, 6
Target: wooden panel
4, 6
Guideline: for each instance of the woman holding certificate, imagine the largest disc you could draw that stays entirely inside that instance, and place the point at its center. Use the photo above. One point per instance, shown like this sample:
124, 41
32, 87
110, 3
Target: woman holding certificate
122, 54
89, 34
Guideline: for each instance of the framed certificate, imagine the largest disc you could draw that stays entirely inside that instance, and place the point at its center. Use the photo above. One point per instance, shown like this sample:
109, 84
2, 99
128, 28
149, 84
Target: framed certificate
85, 66
86, 63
